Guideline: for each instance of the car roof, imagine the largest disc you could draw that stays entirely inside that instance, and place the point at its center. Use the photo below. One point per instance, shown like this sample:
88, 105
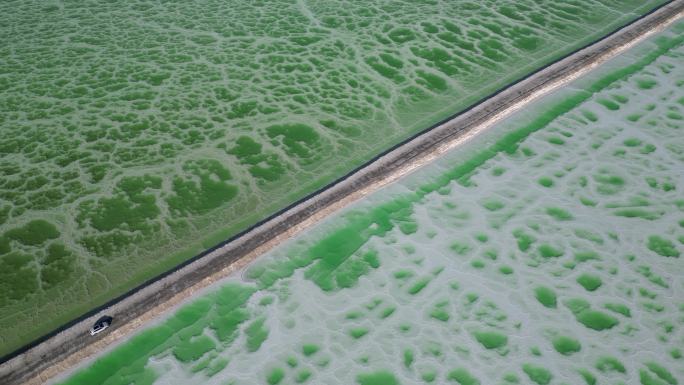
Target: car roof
103, 319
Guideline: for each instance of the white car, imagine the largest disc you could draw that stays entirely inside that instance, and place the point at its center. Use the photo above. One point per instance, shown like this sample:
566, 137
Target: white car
100, 325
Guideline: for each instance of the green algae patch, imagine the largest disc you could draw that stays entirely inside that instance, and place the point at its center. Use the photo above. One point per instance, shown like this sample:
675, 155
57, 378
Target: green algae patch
357, 333
34, 232
310, 349
537, 374
204, 186
609, 104
566, 345
256, 334
17, 277
302, 376
547, 251
462, 377
333, 261
408, 358
610, 364
377, 378
593, 319
492, 204
230, 314
490, 339
638, 213
647, 378
194, 349
619, 308
419, 285
597, 320
545, 182
299, 140
545, 296
408, 227
388, 311
460, 248
587, 376
275, 376
662, 246
5, 245
403, 274
559, 214
511, 378
428, 375
524, 240
589, 235
608, 184
632, 142
216, 366
589, 282
58, 265
126, 363
661, 372
586, 256
556, 140
439, 314
646, 83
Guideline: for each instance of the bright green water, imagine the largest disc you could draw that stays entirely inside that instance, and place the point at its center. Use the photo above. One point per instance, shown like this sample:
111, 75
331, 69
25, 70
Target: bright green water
135, 134
430, 281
